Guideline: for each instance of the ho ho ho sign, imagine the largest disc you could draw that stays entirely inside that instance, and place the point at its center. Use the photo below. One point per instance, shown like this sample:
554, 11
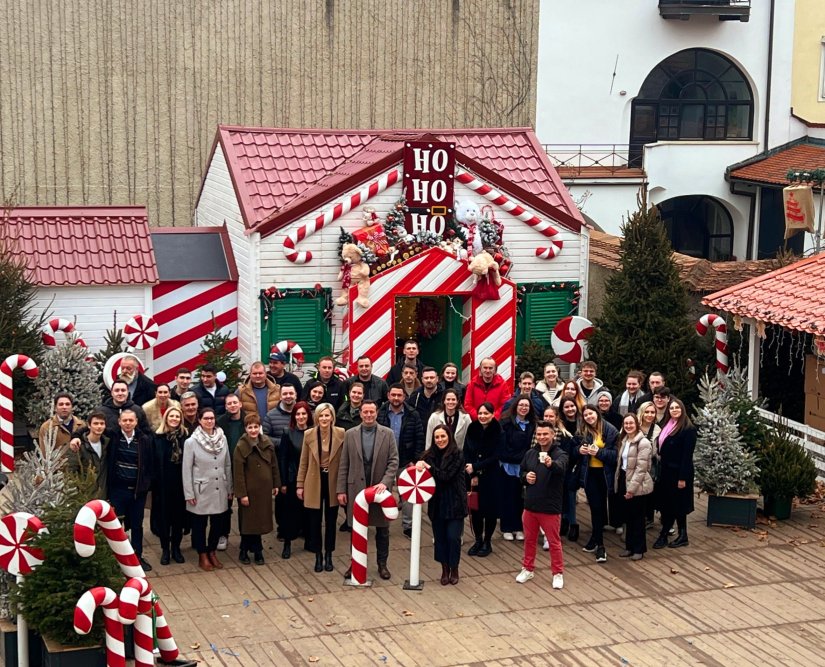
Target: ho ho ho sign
429, 170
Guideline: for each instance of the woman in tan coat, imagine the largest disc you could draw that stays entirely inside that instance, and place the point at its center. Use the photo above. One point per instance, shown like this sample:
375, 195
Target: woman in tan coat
634, 484
257, 480
318, 480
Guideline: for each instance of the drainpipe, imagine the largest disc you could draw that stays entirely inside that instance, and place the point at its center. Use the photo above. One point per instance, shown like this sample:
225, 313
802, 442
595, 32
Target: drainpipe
769, 80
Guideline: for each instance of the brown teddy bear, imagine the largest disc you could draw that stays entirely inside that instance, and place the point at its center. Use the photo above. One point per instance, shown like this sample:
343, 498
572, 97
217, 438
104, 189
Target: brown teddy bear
486, 276
355, 271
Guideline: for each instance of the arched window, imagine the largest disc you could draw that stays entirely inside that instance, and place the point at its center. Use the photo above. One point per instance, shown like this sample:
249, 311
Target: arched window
698, 226
696, 95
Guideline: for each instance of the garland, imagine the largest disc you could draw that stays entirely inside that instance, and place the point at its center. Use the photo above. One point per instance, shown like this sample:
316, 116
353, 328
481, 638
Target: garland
530, 288
271, 294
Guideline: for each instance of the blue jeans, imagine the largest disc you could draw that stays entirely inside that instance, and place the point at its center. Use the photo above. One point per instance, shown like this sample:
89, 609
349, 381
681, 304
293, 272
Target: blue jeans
570, 505
130, 506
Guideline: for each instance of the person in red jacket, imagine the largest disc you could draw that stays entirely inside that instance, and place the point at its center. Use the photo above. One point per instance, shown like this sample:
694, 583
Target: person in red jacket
486, 387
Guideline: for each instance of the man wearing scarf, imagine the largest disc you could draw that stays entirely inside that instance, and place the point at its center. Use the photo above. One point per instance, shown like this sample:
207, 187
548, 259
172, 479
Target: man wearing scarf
633, 396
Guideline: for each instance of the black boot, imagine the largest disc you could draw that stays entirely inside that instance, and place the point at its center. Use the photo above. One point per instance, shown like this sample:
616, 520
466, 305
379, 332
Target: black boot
680, 541
177, 556
319, 562
486, 549
565, 526
164, 557
573, 533
328, 566
473, 550
661, 541
445, 574
243, 557
287, 552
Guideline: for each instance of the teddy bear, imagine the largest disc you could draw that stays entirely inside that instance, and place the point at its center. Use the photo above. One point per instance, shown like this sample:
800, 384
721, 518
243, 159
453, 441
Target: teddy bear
486, 276
468, 215
354, 271
455, 247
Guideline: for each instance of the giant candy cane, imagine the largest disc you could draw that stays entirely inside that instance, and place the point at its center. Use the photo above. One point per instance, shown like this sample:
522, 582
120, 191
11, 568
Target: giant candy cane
504, 202
59, 324
84, 611
360, 522
136, 607
721, 329
100, 513
7, 406
341, 208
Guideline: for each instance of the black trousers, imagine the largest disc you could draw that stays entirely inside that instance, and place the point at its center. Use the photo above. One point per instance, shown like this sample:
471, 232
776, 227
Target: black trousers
326, 515
217, 527
252, 543
511, 504
635, 537
447, 536
130, 506
595, 489
484, 525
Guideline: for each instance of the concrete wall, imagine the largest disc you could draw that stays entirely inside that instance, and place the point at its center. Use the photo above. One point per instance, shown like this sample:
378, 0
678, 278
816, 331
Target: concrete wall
116, 102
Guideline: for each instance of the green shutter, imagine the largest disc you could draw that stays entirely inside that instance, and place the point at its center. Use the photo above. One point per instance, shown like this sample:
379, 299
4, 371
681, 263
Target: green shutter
300, 319
540, 311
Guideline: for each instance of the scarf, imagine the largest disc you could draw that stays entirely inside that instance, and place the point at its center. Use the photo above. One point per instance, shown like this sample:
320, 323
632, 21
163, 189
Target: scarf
627, 404
667, 429
174, 438
211, 443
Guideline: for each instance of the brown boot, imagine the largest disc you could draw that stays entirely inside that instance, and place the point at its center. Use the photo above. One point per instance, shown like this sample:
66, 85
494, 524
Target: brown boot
203, 562
445, 574
454, 575
383, 572
213, 558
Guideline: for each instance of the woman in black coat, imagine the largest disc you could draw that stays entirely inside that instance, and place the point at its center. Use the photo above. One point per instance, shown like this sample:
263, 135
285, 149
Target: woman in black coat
448, 506
289, 457
674, 489
517, 429
169, 516
481, 465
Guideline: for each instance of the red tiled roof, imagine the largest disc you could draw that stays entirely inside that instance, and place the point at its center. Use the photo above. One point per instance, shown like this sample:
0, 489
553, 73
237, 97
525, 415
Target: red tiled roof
791, 297
772, 167
83, 245
279, 174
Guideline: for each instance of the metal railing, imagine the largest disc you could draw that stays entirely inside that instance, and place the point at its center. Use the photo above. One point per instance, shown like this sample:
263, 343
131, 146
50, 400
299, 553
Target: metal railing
583, 158
812, 439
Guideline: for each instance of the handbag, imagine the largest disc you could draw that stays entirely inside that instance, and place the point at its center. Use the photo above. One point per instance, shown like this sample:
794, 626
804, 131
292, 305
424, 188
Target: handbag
472, 501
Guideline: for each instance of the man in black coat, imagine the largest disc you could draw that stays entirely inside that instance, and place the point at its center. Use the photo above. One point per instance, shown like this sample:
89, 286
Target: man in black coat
280, 375
210, 394
427, 397
410, 357
334, 390
375, 388
409, 438
141, 388
119, 401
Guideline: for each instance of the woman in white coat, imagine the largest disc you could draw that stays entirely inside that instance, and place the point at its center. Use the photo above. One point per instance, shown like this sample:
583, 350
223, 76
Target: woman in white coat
207, 486
452, 415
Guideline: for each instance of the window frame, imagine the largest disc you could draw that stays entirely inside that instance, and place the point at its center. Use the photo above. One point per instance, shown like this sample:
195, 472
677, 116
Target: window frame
324, 341
706, 234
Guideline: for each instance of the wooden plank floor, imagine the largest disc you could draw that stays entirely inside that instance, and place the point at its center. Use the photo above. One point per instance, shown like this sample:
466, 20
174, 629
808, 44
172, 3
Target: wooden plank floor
733, 597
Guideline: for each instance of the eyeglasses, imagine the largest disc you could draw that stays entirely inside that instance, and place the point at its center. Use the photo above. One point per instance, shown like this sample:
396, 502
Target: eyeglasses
207, 419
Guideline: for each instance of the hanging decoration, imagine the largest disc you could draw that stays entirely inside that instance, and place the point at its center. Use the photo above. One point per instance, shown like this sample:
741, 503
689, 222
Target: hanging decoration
430, 318
271, 294
570, 287
798, 202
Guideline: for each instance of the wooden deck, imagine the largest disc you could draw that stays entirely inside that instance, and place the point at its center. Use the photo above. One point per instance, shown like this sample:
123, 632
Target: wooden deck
731, 598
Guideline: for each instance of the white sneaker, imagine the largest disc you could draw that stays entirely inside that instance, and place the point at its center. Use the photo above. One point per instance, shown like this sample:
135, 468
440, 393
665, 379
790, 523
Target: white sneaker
508, 536
620, 530
546, 545
524, 576
558, 581
672, 531
222, 542
519, 536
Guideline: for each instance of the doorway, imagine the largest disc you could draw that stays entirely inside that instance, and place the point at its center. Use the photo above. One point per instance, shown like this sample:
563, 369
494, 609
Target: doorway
435, 322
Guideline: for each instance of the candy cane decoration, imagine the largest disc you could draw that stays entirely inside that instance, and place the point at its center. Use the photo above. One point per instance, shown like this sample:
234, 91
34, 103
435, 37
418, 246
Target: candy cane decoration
136, 608
360, 522
105, 599
7, 405
141, 332
721, 330
341, 208
289, 347
504, 202
16, 556
59, 324
100, 513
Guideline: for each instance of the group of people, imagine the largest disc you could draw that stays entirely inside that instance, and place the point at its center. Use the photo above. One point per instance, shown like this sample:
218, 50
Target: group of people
512, 460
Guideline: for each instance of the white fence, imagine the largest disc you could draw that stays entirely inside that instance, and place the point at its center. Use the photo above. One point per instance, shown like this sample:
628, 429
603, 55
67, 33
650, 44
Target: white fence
810, 438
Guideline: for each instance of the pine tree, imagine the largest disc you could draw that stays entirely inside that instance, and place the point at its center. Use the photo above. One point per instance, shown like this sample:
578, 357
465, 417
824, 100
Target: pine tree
50, 592
735, 392
64, 369
723, 464
216, 350
114, 344
645, 324
533, 357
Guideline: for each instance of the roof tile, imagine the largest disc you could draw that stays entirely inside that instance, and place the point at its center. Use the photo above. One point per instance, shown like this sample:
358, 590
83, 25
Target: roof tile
773, 168
77, 245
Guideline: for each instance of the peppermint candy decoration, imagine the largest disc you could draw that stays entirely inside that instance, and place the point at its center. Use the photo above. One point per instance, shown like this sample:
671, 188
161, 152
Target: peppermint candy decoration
415, 486
141, 332
16, 556
111, 369
568, 338
289, 347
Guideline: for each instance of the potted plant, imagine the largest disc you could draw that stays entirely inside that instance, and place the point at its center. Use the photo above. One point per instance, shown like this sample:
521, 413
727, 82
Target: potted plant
786, 471
49, 594
725, 469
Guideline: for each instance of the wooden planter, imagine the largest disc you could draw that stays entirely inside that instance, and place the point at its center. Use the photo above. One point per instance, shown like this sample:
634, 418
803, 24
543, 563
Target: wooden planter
57, 655
732, 510
8, 645
779, 508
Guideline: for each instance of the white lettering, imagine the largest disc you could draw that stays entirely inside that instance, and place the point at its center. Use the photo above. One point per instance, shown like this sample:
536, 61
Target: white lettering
437, 224
420, 190
438, 191
419, 222
440, 160
422, 160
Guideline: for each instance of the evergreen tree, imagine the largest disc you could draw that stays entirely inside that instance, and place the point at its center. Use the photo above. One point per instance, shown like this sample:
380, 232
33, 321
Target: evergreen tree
645, 324
722, 462
735, 393
216, 350
64, 369
533, 357
114, 344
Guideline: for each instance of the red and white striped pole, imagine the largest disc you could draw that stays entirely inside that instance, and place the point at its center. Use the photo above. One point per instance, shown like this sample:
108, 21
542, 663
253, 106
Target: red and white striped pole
720, 328
100, 513
7, 405
360, 524
84, 611
416, 487
136, 607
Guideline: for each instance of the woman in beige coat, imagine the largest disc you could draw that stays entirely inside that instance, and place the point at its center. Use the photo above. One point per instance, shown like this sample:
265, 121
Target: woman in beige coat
634, 484
318, 480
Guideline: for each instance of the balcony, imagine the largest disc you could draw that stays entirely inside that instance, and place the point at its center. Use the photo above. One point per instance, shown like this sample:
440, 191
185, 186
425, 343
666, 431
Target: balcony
726, 10
576, 161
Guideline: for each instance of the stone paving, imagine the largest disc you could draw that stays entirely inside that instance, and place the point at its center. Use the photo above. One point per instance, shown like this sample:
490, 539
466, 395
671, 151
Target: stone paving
733, 597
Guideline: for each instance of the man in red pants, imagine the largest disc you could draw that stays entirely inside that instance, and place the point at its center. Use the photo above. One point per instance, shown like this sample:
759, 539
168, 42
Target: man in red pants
542, 473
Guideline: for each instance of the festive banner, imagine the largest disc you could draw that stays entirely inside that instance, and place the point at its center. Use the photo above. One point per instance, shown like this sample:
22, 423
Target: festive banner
798, 201
429, 168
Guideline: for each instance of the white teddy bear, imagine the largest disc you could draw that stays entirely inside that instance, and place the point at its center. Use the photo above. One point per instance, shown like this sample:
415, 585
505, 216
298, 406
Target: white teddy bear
468, 215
